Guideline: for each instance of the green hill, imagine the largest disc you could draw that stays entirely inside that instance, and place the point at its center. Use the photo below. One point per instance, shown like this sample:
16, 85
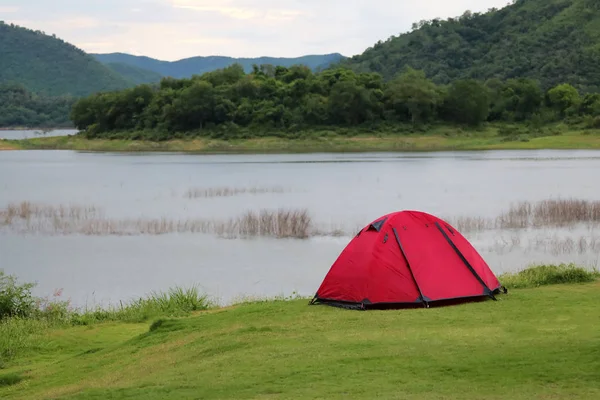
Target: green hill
553, 41
134, 74
187, 67
47, 65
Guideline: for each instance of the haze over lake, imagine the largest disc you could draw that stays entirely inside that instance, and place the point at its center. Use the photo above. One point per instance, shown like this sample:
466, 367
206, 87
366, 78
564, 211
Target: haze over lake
341, 192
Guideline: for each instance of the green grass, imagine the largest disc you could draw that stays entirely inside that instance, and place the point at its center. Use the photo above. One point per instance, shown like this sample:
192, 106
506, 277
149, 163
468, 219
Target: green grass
174, 303
20, 335
435, 139
548, 275
10, 379
538, 343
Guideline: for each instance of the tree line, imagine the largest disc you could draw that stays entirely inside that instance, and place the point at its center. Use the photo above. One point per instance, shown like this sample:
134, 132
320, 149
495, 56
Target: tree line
21, 108
229, 102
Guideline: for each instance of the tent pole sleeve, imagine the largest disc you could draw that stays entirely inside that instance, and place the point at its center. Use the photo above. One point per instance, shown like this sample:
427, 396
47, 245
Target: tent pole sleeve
465, 261
409, 268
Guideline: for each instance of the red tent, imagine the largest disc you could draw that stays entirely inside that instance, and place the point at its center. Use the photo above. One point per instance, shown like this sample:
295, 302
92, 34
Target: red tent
407, 259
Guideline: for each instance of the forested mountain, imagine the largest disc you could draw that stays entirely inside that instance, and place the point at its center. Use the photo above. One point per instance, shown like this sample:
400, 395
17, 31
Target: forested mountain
553, 41
49, 66
134, 74
19, 107
198, 65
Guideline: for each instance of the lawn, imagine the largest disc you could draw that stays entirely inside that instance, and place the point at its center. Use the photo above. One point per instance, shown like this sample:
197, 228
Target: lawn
535, 343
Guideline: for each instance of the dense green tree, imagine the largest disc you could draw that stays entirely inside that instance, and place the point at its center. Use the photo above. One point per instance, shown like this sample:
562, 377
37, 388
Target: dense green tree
413, 97
564, 99
468, 102
590, 104
522, 98
192, 109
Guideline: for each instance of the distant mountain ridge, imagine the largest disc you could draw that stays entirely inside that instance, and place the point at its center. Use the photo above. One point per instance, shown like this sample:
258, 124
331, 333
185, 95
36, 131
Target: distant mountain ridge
134, 74
187, 67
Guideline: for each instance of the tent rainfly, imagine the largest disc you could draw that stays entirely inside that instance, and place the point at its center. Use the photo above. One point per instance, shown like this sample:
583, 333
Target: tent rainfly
407, 259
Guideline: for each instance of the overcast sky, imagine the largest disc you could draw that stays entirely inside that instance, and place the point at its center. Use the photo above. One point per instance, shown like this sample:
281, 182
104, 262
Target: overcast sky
175, 29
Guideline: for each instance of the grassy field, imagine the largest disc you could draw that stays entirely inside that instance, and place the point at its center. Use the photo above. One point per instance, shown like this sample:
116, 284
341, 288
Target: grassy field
437, 139
534, 343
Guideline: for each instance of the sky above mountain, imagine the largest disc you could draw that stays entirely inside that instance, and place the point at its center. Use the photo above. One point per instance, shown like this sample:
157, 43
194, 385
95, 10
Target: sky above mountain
175, 29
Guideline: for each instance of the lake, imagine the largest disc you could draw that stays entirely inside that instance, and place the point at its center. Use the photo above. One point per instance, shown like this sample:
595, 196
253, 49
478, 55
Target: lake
341, 193
31, 134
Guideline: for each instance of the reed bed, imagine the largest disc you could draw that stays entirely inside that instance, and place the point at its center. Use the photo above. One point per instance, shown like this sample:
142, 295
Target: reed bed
471, 224
518, 216
558, 246
28, 211
559, 213
281, 224
553, 245
28, 218
565, 212
31, 218
196, 193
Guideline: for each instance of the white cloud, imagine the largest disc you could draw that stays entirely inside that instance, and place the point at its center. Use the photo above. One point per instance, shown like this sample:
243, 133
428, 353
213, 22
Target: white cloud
95, 47
237, 9
8, 9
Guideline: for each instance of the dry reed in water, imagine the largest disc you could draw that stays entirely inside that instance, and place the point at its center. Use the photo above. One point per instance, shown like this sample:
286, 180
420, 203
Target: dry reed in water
557, 246
64, 220
554, 245
470, 224
546, 213
280, 224
195, 193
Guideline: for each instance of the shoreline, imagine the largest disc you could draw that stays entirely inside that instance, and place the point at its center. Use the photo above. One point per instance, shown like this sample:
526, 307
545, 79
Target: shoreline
383, 142
36, 128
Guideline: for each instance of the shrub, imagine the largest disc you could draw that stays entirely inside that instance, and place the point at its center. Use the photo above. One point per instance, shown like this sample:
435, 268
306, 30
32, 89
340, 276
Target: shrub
592, 122
16, 300
548, 275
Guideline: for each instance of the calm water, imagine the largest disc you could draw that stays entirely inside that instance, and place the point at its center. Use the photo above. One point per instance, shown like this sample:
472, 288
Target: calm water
345, 191
29, 134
